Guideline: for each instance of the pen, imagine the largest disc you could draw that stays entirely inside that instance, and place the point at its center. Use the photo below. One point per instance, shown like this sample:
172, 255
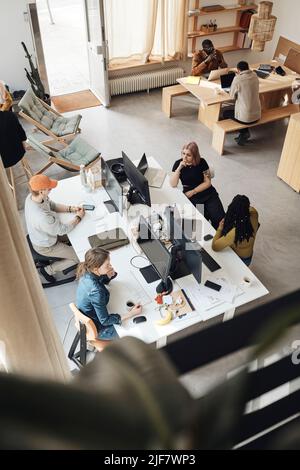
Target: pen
188, 299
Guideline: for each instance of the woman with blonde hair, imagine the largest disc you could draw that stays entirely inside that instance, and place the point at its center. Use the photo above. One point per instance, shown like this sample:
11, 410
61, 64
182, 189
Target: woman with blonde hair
92, 295
5, 98
193, 172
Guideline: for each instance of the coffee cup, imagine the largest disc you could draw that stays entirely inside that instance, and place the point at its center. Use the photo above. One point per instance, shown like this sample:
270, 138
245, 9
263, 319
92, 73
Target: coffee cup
129, 305
247, 281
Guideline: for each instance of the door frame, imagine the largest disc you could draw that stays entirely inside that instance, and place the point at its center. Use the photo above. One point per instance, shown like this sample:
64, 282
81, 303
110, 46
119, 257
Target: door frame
38, 44
105, 100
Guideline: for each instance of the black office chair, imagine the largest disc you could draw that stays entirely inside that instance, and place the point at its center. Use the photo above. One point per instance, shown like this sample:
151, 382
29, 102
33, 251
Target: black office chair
42, 261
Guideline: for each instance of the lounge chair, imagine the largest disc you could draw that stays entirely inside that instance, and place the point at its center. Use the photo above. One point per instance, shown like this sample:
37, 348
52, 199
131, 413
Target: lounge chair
47, 120
77, 153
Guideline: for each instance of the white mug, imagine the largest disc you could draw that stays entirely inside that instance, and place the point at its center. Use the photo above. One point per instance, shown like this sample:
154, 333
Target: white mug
247, 281
129, 305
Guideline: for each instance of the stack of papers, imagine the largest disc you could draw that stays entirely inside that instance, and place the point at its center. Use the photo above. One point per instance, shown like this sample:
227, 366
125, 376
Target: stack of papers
208, 298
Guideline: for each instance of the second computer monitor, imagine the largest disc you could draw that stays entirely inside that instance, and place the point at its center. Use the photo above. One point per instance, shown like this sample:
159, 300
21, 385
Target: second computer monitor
187, 255
112, 187
139, 188
153, 248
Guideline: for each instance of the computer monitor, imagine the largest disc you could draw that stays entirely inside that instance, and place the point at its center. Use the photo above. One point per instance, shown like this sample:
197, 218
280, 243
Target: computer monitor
186, 255
175, 227
113, 189
158, 255
139, 188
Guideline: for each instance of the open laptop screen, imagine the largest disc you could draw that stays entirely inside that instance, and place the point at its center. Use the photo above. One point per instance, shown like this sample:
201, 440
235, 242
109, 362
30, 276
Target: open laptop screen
226, 80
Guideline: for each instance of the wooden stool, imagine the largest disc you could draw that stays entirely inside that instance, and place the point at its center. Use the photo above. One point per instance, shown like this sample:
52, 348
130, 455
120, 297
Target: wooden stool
11, 178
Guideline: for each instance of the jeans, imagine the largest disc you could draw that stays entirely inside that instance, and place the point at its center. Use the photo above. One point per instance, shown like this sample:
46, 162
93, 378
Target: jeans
247, 261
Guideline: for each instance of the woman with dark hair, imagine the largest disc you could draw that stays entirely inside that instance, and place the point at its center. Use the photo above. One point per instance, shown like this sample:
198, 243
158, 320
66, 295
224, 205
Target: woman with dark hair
238, 229
193, 172
92, 295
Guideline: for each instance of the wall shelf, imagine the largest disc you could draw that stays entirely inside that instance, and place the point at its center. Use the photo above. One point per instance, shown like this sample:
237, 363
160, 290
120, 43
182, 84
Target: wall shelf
195, 24
229, 29
253, 6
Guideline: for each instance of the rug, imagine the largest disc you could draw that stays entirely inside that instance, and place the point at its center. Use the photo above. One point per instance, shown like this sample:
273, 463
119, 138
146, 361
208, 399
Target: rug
75, 101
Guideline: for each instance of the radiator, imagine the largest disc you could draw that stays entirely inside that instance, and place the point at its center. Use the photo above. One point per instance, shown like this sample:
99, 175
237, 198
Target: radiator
145, 80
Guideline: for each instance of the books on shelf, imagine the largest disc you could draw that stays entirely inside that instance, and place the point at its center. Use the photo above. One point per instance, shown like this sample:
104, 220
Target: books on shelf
247, 42
243, 41
232, 7
194, 12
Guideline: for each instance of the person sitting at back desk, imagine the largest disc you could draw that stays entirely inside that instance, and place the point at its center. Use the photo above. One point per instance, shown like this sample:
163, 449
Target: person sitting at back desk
245, 92
207, 60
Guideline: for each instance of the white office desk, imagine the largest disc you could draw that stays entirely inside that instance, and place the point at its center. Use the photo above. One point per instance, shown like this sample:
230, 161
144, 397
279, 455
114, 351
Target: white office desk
130, 284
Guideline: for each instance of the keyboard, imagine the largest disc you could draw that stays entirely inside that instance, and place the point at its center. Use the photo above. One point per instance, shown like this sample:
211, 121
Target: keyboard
209, 262
262, 74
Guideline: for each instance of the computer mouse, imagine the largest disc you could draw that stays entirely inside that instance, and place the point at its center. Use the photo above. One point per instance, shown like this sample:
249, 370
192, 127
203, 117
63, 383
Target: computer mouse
140, 319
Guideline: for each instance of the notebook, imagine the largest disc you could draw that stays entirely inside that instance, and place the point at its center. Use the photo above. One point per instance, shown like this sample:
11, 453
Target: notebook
109, 239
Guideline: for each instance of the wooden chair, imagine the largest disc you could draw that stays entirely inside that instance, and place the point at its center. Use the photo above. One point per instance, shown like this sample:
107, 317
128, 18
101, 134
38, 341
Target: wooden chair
87, 333
48, 120
12, 180
77, 153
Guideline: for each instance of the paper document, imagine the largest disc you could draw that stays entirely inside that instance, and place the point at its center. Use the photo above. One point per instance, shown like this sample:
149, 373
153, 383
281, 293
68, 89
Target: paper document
192, 80
227, 292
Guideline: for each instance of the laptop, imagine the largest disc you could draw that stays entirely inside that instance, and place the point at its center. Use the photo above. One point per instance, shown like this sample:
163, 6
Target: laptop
226, 81
155, 176
216, 74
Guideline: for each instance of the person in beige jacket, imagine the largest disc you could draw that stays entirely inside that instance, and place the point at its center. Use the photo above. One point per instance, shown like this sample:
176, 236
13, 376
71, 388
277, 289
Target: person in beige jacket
245, 91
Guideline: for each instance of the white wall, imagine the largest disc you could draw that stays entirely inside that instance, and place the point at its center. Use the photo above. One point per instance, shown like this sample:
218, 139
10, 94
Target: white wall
288, 25
13, 30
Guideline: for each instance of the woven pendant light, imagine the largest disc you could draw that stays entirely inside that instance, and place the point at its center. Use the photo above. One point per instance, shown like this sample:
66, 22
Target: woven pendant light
262, 26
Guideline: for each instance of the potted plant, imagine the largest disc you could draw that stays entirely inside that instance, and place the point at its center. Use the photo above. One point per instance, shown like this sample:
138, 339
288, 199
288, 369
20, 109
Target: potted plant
35, 79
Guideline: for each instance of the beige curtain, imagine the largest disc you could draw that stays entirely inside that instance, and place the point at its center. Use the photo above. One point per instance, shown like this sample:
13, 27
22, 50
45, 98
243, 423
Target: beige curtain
141, 29
29, 342
130, 29
171, 30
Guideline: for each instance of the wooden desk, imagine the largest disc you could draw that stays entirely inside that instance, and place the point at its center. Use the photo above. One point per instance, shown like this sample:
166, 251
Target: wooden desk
211, 96
289, 166
70, 192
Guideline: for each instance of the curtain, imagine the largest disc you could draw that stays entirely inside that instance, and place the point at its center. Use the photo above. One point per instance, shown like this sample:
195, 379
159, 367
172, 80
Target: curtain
171, 30
141, 29
29, 342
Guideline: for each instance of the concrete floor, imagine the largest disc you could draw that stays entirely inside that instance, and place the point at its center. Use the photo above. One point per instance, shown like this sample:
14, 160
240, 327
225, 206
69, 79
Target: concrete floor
135, 124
